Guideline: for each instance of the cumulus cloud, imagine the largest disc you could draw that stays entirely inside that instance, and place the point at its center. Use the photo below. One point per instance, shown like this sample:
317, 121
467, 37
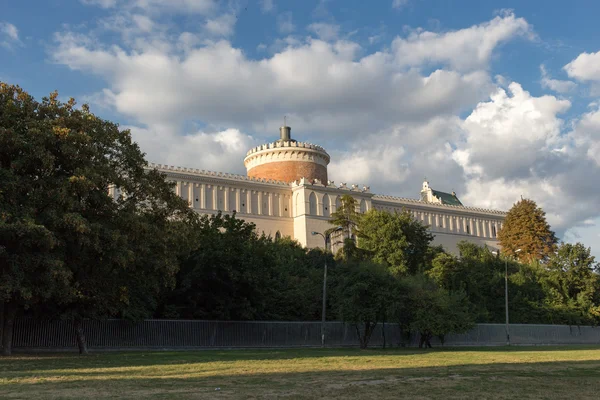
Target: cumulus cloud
586, 67
325, 31
463, 49
284, 23
514, 144
555, 85
586, 134
9, 35
221, 151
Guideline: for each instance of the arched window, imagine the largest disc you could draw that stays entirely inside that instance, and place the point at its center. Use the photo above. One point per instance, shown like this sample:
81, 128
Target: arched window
338, 203
277, 236
326, 206
312, 204
363, 206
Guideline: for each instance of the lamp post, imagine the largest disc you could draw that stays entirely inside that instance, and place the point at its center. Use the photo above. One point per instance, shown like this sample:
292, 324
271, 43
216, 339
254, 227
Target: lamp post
506, 293
323, 312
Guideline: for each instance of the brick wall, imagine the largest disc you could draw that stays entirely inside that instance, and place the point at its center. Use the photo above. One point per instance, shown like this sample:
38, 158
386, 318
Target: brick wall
289, 171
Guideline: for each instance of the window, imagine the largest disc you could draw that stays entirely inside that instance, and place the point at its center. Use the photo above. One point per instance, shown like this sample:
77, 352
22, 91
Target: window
326, 206
312, 204
493, 231
277, 236
468, 230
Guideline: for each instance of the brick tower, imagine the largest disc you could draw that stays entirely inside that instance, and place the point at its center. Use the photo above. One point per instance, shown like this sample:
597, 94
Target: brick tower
287, 160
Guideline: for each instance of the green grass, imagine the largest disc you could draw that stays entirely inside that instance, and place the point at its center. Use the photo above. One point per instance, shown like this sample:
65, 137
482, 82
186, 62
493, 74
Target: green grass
493, 373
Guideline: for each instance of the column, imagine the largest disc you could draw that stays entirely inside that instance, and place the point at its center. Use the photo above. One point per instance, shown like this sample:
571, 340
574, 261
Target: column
470, 222
451, 223
226, 198
202, 196
215, 190
270, 203
238, 200
179, 189
477, 223
281, 209
259, 196
191, 194
249, 201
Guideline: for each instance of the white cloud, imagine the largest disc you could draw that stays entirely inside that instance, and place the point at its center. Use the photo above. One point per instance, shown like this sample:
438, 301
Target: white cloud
463, 49
202, 7
267, 6
222, 25
514, 145
9, 35
324, 31
586, 134
586, 67
221, 151
284, 23
556, 85
398, 4
101, 3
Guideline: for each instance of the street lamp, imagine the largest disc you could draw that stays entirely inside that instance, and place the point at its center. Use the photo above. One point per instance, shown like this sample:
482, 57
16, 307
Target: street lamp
326, 239
506, 293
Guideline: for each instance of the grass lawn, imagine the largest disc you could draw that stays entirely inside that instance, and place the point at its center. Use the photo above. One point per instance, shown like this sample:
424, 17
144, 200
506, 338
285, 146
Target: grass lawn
493, 373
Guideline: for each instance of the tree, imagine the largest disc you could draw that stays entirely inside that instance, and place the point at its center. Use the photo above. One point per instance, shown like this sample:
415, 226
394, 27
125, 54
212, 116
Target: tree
396, 240
572, 283
525, 228
435, 311
345, 216
59, 162
363, 297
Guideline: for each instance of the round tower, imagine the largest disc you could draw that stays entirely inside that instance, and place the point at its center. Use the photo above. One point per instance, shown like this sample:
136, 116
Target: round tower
287, 160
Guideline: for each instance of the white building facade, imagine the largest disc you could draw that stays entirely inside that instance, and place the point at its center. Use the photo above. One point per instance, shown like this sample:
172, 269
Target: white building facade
295, 208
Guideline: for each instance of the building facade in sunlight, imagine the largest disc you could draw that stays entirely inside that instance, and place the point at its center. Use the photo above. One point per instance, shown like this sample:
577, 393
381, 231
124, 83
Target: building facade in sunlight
287, 192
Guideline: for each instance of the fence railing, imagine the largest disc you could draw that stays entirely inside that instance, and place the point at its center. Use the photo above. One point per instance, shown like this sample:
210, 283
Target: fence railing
121, 334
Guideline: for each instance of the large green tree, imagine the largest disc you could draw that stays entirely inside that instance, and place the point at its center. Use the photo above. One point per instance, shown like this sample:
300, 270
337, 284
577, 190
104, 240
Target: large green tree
234, 274
572, 283
363, 297
103, 256
525, 228
396, 240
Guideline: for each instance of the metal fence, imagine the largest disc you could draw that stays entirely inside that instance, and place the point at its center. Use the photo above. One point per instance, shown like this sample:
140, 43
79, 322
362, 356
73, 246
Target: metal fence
120, 334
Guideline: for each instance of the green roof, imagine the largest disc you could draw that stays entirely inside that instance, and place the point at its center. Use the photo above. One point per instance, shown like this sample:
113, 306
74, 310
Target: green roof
447, 198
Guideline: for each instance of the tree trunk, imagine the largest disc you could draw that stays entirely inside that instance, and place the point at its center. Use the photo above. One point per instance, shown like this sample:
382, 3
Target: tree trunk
10, 311
81, 343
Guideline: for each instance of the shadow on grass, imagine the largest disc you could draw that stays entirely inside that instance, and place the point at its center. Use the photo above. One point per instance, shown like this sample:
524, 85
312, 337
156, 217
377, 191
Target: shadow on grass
99, 360
557, 379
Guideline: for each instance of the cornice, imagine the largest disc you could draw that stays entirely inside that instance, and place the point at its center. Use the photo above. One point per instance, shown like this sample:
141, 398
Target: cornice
378, 198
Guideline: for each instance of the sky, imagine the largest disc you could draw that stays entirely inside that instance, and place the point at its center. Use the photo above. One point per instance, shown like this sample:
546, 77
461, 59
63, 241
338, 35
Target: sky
492, 99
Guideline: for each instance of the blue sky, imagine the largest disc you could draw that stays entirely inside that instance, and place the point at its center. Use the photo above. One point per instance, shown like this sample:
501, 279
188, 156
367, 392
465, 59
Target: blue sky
494, 99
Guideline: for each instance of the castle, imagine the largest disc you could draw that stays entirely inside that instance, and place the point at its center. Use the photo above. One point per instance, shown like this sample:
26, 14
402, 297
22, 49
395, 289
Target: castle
287, 193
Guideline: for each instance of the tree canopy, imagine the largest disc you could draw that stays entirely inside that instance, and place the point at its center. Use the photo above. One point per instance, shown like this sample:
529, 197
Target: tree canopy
396, 240
101, 256
525, 227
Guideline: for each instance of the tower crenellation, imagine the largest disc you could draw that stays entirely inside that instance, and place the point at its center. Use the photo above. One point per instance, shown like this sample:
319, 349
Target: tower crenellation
287, 160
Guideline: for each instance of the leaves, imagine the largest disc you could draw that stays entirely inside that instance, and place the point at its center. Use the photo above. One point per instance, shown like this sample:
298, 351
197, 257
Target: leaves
525, 228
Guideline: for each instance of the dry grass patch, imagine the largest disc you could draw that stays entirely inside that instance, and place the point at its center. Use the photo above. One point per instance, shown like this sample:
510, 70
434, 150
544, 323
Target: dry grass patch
539, 372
